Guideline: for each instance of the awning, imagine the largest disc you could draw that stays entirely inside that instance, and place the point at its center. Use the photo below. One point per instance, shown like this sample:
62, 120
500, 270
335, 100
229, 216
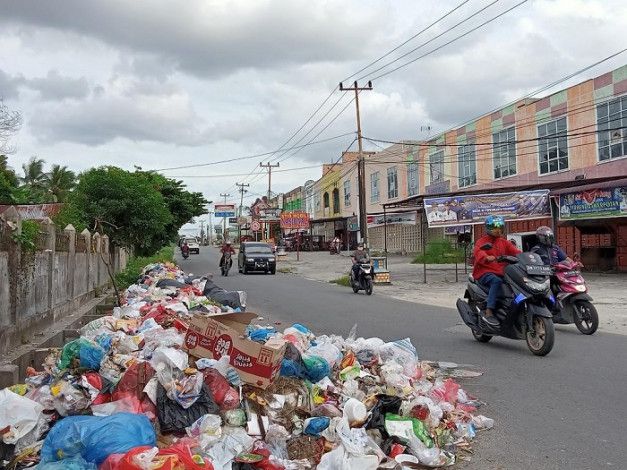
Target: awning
602, 185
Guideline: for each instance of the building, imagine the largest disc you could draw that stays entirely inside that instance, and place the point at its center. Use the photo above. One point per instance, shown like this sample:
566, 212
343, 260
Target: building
294, 200
573, 143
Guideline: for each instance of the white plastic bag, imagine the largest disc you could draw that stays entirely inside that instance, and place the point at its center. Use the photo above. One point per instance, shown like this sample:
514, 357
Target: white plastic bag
19, 414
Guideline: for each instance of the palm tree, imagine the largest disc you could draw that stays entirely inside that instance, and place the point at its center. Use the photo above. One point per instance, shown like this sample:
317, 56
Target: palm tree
59, 181
34, 175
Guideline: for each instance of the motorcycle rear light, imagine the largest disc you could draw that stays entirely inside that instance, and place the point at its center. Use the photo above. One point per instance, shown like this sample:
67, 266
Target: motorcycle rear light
519, 298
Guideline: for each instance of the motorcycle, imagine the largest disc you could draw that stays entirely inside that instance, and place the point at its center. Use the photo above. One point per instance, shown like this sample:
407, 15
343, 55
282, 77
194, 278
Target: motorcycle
335, 248
226, 264
185, 253
573, 303
364, 281
524, 311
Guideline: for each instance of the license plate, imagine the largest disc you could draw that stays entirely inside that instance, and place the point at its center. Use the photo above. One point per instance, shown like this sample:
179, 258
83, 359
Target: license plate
539, 270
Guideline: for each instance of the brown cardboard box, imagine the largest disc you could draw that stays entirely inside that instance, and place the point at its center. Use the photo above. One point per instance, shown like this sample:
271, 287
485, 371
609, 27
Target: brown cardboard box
214, 336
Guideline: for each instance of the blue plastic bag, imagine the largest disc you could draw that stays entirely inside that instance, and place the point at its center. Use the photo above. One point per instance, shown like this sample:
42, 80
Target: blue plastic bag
95, 438
75, 463
314, 426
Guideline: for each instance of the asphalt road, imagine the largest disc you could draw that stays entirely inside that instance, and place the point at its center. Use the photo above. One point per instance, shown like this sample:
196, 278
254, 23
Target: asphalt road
563, 411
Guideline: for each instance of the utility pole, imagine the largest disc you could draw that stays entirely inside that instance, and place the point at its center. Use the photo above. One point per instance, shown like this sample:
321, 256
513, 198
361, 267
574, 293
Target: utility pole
269, 166
202, 232
210, 228
241, 187
224, 195
361, 166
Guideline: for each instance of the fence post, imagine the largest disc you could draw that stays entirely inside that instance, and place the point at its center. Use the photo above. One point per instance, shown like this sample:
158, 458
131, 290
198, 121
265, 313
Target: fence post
50, 247
87, 238
70, 233
97, 245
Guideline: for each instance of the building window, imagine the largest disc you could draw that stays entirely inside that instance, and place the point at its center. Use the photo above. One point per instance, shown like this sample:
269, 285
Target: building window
553, 146
347, 193
392, 183
412, 179
326, 200
317, 201
504, 152
336, 201
436, 167
374, 187
467, 164
612, 126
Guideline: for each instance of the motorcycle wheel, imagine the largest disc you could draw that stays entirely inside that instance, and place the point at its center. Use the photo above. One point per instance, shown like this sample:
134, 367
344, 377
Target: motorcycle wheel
586, 317
368, 287
476, 333
541, 340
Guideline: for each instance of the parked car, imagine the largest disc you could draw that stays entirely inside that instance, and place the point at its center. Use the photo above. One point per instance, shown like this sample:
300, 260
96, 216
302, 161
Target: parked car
194, 246
256, 256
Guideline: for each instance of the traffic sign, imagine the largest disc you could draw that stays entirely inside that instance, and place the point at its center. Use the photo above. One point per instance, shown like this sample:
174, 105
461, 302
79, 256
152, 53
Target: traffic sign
256, 226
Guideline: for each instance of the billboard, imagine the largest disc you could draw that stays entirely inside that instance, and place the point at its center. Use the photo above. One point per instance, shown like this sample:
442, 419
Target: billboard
224, 210
594, 204
405, 218
297, 220
472, 209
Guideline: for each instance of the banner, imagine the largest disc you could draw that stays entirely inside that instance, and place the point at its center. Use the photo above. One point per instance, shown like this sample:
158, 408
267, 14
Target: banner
224, 210
594, 204
294, 220
472, 209
405, 218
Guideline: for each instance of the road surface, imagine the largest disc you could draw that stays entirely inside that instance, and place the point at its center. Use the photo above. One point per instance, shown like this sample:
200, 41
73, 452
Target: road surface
563, 411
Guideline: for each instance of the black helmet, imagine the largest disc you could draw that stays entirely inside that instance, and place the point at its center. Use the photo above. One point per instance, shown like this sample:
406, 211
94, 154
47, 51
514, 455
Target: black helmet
545, 235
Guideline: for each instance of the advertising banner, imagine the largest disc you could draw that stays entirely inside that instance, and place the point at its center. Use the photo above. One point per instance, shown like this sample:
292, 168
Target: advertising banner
405, 218
224, 210
594, 204
472, 209
297, 220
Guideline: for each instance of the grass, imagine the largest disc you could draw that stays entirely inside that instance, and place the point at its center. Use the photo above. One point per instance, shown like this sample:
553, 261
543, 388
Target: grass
136, 264
440, 252
342, 281
285, 270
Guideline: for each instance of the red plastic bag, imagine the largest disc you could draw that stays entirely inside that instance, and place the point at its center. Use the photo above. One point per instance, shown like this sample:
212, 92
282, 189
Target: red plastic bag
176, 457
447, 392
225, 396
260, 448
132, 383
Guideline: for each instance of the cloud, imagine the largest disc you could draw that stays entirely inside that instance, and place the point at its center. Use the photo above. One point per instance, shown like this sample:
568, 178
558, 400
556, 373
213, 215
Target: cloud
212, 38
55, 87
9, 85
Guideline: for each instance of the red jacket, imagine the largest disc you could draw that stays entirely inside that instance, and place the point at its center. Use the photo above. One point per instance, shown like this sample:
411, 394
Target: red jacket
500, 247
227, 249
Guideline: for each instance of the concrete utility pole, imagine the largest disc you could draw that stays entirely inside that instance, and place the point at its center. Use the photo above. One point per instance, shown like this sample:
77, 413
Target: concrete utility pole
361, 166
224, 195
241, 187
202, 232
269, 166
210, 228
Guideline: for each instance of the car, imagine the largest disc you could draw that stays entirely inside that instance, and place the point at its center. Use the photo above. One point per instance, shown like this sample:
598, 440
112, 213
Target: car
193, 245
256, 256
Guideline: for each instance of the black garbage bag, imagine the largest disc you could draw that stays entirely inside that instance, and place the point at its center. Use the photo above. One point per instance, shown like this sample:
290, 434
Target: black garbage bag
161, 283
386, 446
222, 296
242, 466
386, 404
174, 418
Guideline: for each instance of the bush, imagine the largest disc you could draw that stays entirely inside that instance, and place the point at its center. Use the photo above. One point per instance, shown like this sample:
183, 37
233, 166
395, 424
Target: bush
342, 281
440, 251
136, 264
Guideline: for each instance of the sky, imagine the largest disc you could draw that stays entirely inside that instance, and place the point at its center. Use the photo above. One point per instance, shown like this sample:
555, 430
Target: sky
160, 84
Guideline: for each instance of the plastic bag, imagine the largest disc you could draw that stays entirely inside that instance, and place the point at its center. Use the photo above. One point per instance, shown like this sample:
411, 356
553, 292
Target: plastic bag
407, 428
402, 352
316, 368
19, 414
95, 438
385, 404
69, 399
174, 418
224, 395
74, 463
328, 351
445, 391
178, 456
314, 426
128, 404
165, 356
207, 430
88, 353
186, 390
355, 411
276, 439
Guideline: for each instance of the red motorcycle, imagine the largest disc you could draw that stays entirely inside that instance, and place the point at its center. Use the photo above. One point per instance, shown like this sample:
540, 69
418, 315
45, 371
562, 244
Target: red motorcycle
572, 303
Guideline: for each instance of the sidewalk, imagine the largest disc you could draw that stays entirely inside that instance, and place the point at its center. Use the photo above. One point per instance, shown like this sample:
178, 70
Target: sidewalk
607, 290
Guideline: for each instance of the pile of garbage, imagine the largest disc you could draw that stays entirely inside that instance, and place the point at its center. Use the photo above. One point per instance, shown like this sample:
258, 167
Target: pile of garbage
129, 395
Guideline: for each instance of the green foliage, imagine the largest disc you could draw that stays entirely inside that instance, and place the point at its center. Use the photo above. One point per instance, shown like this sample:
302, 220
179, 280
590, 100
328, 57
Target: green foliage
342, 281
28, 236
440, 251
136, 264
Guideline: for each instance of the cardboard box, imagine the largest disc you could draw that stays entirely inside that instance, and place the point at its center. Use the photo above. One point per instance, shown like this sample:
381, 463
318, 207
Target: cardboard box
214, 336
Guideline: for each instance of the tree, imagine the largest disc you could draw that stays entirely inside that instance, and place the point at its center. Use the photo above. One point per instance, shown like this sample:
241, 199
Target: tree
8, 182
10, 123
58, 182
126, 205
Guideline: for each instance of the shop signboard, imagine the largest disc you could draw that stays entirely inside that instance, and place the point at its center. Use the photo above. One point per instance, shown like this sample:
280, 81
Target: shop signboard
224, 210
353, 224
473, 209
404, 218
457, 229
594, 204
270, 213
296, 220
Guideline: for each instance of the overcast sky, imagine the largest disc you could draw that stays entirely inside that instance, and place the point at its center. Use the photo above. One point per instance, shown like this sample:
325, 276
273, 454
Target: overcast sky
169, 83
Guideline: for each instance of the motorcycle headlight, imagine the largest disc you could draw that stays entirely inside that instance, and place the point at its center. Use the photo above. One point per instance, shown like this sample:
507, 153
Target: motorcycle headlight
537, 286
580, 288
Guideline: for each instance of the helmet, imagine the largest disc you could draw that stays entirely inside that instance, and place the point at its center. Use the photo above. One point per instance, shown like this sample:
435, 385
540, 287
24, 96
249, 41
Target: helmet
495, 225
228, 242
545, 235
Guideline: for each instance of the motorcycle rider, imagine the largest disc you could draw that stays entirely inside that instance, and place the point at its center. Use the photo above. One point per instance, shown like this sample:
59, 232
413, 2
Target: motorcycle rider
226, 248
185, 249
487, 270
547, 249
359, 256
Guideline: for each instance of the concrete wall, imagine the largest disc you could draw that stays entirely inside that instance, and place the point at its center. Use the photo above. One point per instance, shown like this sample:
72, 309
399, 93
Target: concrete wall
47, 284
